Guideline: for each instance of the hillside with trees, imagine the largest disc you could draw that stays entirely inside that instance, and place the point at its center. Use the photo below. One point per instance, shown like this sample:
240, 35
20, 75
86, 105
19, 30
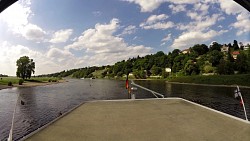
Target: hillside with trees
215, 59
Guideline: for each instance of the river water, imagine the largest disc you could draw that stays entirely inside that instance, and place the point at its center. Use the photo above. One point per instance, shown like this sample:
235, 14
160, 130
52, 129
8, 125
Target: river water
42, 104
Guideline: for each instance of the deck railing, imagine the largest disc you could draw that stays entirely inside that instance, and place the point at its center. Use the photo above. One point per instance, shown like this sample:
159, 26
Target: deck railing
157, 95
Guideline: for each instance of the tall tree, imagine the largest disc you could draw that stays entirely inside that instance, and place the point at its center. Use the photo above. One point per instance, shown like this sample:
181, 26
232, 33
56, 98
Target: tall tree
25, 67
215, 46
235, 45
241, 63
200, 49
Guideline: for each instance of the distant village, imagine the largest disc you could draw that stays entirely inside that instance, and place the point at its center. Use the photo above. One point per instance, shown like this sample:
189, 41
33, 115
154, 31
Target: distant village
226, 48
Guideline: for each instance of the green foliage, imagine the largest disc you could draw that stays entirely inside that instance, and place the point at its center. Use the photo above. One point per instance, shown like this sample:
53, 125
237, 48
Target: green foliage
25, 67
242, 64
139, 74
214, 57
200, 60
243, 80
10, 83
190, 68
20, 81
155, 70
199, 49
208, 68
225, 67
215, 46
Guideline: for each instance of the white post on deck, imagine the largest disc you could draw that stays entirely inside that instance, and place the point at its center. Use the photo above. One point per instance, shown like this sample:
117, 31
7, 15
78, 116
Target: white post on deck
243, 104
133, 89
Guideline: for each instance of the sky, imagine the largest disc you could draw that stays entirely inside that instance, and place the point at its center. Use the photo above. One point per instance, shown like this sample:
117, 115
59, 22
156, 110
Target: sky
65, 34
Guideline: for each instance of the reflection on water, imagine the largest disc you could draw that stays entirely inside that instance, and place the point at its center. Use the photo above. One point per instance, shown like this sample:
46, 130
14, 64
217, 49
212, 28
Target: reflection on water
219, 98
45, 103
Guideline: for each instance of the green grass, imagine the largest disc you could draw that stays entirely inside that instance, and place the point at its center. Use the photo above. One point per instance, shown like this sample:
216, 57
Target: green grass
15, 80
98, 73
6, 80
243, 80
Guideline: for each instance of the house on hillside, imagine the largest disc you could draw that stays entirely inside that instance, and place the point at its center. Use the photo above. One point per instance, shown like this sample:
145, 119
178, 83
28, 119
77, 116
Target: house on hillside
185, 51
225, 48
246, 47
235, 54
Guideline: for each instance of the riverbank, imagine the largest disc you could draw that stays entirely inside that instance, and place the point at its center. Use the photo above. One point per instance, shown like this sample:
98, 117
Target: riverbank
32, 84
214, 80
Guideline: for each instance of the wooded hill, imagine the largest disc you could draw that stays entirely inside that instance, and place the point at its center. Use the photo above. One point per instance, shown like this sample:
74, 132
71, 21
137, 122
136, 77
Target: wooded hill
197, 60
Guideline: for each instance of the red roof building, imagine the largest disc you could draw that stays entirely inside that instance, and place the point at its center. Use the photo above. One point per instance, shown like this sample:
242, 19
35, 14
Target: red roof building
235, 54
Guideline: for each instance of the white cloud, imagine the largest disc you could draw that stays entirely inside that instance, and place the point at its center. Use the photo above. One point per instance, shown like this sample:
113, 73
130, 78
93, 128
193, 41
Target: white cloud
177, 8
163, 26
33, 32
200, 23
131, 29
16, 16
202, 7
162, 44
157, 22
151, 5
155, 18
11, 53
190, 38
167, 38
105, 47
183, 1
147, 5
17, 19
61, 36
50, 61
230, 7
242, 24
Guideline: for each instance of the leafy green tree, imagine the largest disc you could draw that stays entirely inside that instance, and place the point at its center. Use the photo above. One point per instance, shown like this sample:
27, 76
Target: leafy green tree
164, 74
214, 57
140, 74
155, 70
241, 63
215, 46
200, 49
190, 68
225, 67
25, 67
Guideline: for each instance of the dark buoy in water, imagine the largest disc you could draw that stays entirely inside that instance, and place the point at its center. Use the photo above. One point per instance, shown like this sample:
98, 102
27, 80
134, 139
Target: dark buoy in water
22, 102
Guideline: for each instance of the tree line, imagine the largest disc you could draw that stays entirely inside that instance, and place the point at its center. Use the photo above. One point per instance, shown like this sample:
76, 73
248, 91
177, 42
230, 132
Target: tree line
200, 59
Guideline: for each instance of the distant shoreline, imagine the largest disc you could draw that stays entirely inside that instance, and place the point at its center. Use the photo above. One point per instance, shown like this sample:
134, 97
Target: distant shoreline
32, 84
207, 84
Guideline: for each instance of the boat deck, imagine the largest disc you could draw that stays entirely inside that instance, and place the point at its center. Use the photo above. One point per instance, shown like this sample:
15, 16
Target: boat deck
144, 120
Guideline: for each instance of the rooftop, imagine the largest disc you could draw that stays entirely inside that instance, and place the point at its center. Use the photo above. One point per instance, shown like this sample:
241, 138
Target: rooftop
155, 119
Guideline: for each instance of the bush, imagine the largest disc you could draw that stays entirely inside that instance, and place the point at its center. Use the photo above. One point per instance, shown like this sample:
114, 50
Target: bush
49, 80
10, 83
20, 82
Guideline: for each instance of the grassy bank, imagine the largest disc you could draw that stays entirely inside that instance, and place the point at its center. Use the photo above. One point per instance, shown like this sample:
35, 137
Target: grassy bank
243, 80
15, 80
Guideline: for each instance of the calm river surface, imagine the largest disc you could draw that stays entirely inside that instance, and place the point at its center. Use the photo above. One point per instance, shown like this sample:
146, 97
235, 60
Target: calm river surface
44, 103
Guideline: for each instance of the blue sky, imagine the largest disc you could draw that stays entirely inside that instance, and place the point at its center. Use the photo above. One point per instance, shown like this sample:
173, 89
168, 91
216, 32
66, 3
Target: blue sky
66, 34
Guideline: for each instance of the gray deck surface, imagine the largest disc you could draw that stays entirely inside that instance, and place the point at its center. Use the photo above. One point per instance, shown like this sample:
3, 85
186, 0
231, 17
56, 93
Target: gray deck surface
147, 120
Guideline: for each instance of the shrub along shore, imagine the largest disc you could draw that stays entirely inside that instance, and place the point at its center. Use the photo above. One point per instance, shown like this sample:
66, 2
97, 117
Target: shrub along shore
242, 79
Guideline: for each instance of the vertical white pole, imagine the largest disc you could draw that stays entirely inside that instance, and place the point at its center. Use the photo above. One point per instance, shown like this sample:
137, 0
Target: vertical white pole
243, 104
